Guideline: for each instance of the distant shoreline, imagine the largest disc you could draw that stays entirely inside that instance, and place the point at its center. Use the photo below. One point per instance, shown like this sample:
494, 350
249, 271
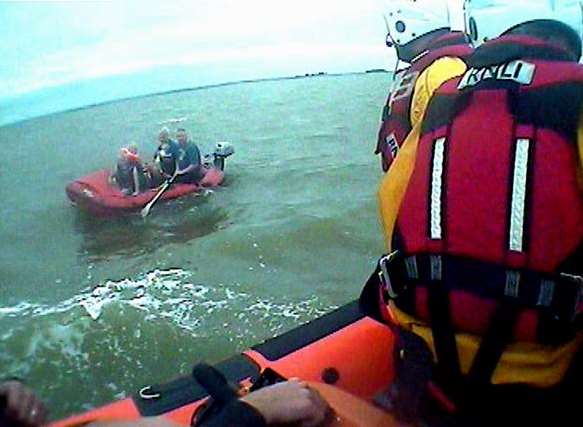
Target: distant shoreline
195, 88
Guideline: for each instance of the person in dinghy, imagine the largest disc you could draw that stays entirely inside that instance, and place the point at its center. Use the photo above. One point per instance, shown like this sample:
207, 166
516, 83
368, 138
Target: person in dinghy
165, 158
130, 174
180, 157
190, 169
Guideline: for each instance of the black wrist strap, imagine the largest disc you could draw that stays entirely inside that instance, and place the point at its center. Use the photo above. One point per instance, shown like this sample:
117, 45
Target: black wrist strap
214, 383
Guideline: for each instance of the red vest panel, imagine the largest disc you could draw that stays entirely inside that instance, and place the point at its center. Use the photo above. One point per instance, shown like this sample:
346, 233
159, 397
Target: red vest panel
496, 178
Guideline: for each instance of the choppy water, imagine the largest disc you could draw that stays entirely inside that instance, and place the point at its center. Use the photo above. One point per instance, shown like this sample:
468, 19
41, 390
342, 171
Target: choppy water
91, 310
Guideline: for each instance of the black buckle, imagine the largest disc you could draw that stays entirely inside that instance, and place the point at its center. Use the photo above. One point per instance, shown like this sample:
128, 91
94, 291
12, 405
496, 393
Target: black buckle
578, 300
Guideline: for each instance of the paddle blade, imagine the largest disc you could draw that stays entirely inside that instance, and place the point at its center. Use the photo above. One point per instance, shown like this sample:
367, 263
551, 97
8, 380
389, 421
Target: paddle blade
146, 211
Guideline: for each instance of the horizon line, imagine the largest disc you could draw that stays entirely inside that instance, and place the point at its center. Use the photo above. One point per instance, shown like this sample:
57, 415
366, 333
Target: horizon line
195, 88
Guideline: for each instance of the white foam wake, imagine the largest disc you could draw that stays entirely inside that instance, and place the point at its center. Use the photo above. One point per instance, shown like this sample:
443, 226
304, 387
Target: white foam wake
172, 295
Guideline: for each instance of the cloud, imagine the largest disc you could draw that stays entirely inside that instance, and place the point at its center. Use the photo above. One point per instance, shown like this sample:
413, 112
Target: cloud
70, 41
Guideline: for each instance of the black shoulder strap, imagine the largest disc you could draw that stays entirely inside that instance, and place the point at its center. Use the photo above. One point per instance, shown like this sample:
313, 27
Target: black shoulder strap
497, 337
444, 336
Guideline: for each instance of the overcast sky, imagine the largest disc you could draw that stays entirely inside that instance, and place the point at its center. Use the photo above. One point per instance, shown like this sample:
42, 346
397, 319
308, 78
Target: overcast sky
48, 44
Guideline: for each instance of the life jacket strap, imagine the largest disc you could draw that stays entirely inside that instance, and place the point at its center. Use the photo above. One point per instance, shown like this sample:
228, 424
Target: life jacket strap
214, 383
498, 336
443, 332
557, 297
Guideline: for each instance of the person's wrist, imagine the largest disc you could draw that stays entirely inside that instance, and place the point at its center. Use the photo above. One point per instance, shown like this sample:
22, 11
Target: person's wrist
257, 407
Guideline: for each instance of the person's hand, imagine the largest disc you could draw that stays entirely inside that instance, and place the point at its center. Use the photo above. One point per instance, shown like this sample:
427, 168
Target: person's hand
22, 406
289, 402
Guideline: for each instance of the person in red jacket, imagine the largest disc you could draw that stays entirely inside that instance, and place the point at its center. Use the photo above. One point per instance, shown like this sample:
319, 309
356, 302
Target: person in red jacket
483, 217
420, 33
129, 173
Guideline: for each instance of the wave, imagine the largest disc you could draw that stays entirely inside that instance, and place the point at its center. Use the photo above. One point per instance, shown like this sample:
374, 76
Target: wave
171, 294
173, 121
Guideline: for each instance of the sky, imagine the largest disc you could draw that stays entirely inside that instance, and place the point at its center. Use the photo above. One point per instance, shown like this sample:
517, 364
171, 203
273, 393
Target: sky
47, 44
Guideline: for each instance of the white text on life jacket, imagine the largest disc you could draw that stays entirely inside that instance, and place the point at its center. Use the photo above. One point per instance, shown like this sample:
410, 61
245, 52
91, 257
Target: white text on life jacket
518, 71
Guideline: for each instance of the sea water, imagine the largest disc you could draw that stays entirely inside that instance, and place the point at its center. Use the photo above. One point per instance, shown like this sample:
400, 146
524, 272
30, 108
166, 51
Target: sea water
92, 310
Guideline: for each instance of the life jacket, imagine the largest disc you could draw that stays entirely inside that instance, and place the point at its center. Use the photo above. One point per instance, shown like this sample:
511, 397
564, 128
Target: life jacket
129, 156
127, 165
489, 235
396, 121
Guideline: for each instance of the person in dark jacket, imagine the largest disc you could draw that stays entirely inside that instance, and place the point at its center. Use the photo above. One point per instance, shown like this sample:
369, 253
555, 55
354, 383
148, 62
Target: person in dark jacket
189, 166
166, 155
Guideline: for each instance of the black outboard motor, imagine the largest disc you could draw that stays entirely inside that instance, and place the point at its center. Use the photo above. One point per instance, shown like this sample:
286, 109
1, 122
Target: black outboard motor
222, 151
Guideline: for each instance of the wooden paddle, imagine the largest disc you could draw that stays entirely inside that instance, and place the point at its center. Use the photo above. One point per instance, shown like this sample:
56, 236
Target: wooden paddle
146, 210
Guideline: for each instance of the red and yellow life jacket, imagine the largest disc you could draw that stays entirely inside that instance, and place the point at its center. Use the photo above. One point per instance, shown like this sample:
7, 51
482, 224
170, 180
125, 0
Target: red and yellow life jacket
396, 121
489, 230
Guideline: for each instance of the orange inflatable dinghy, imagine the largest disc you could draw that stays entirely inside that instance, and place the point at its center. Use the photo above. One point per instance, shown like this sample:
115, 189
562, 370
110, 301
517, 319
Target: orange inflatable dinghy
346, 354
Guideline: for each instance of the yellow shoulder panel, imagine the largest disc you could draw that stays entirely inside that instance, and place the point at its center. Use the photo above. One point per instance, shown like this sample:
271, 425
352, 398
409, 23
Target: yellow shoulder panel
430, 80
394, 184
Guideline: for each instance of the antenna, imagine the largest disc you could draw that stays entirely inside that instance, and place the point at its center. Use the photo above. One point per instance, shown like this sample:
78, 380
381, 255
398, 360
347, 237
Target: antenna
389, 40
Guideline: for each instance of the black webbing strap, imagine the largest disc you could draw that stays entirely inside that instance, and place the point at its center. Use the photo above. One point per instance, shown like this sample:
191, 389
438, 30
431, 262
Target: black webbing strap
477, 396
444, 336
214, 383
496, 339
451, 39
221, 393
465, 391
553, 296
